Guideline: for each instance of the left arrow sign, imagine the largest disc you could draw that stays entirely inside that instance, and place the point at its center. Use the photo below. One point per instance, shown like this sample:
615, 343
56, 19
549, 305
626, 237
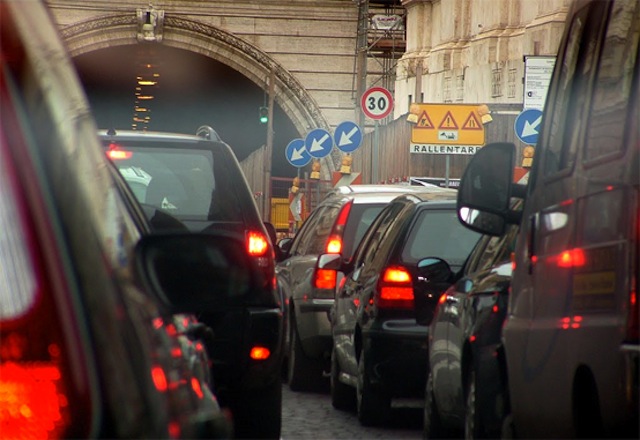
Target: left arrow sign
297, 153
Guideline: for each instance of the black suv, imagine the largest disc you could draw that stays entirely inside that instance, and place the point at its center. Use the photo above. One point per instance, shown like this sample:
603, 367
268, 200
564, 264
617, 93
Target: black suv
194, 183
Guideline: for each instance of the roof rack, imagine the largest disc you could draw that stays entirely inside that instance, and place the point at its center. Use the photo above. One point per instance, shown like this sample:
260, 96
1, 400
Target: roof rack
209, 133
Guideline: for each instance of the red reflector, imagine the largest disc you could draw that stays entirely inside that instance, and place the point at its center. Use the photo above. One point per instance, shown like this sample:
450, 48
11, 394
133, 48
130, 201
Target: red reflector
334, 245
159, 378
259, 353
393, 293
176, 352
32, 405
257, 243
572, 258
197, 388
325, 279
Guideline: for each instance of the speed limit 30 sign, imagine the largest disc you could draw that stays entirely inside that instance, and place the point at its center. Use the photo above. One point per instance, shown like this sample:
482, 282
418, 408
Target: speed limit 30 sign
377, 103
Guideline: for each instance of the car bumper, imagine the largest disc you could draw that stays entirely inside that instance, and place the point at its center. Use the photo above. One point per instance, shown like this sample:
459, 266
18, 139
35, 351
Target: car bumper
396, 353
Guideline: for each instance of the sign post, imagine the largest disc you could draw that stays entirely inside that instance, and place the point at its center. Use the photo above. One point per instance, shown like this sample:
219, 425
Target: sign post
376, 104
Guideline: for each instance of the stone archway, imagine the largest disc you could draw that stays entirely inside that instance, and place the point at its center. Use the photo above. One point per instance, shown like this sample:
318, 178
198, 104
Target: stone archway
212, 42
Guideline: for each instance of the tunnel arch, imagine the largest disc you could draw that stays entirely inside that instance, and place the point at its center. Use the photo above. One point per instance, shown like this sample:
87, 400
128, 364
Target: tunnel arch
217, 44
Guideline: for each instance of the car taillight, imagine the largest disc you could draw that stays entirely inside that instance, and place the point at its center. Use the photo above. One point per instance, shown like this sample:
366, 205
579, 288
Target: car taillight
334, 242
257, 244
325, 279
44, 383
259, 247
395, 288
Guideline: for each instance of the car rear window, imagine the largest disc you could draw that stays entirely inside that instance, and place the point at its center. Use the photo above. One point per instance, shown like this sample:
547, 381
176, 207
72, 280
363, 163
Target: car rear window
360, 218
438, 233
188, 183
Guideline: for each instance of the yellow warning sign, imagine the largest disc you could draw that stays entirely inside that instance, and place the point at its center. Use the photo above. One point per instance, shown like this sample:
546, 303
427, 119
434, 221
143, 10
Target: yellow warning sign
458, 124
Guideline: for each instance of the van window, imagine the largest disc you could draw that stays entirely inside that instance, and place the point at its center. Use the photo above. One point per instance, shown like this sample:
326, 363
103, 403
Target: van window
575, 72
614, 81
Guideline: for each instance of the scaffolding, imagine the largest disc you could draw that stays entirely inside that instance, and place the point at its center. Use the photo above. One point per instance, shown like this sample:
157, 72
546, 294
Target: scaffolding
381, 41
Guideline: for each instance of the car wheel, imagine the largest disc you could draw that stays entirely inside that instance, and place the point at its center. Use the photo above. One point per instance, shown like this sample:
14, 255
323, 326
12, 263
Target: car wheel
473, 421
431, 425
302, 373
258, 413
372, 405
343, 397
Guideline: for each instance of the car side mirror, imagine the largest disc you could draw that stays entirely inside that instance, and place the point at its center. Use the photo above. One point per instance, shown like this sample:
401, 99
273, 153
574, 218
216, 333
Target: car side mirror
284, 247
194, 273
485, 189
436, 276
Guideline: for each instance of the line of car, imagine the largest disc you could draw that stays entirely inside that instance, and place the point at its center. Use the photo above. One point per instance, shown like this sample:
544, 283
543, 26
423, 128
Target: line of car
534, 332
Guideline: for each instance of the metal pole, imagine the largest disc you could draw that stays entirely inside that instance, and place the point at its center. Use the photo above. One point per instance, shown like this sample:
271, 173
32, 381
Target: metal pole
269, 149
446, 172
374, 154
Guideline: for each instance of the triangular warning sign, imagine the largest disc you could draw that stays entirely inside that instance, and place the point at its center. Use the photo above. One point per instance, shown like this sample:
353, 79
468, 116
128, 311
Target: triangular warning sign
424, 121
448, 122
472, 123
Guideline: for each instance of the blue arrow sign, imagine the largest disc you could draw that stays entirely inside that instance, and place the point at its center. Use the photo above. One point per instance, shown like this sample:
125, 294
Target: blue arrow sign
319, 143
297, 153
347, 136
527, 125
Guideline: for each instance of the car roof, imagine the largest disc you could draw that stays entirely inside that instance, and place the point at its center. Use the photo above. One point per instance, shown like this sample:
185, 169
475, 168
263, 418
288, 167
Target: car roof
203, 134
363, 194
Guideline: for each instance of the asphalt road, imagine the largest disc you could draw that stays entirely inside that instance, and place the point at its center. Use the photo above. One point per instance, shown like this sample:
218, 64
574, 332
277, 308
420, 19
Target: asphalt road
311, 416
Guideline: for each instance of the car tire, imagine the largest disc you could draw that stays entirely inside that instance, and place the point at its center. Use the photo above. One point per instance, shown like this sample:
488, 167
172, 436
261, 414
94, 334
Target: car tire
257, 413
372, 405
343, 396
303, 374
432, 424
473, 426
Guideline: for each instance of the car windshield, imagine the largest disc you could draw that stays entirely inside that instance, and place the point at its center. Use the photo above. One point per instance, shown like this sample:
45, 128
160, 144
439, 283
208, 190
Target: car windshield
184, 182
439, 233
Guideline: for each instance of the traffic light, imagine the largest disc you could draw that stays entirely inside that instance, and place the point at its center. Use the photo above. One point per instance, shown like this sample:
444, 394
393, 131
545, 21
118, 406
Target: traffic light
264, 115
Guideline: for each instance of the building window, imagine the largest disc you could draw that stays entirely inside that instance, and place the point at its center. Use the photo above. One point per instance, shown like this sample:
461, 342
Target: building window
459, 88
447, 89
496, 83
511, 85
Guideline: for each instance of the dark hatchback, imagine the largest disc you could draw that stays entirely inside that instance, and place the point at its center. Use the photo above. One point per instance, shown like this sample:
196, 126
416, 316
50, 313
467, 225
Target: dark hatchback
379, 349
335, 226
465, 390
193, 183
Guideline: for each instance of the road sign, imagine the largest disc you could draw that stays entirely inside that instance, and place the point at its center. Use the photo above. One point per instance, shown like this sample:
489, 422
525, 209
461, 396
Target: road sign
297, 153
537, 76
447, 125
347, 136
527, 125
377, 103
319, 143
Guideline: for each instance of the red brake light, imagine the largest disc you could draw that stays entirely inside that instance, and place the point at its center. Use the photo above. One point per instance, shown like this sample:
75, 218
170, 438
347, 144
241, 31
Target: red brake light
334, 243
259, 353
159, 378
115, 152
325, 279
44, 383
396, 288
257, 244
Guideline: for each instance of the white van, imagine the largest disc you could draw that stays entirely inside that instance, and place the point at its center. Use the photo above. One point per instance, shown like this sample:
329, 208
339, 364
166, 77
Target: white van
570, 340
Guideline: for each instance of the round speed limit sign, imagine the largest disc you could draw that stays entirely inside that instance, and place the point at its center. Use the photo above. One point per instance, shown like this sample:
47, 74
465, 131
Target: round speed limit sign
377, 103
